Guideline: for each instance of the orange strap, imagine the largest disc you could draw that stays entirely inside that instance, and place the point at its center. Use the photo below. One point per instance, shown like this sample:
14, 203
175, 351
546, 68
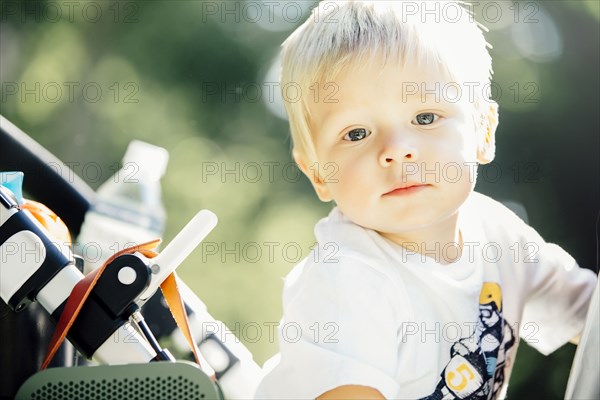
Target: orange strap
83, 288
175, 302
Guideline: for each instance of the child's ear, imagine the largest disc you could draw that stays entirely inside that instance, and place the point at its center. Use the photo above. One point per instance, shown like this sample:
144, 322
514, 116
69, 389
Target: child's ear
313, 175
487, 143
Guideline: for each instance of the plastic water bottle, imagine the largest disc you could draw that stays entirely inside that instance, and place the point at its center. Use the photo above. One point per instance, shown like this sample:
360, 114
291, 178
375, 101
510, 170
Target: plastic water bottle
128, 208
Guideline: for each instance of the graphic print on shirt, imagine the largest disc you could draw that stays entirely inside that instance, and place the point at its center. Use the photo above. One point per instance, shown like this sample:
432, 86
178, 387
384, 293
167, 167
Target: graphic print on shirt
476, 366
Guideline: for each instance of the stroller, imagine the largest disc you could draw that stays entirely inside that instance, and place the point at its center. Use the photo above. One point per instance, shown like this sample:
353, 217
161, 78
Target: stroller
107, 325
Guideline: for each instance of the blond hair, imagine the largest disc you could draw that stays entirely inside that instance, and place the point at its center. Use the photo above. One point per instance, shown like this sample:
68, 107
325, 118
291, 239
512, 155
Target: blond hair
345, 34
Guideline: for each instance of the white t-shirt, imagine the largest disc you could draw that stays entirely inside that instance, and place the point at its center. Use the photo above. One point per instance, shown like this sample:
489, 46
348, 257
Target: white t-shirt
362, 310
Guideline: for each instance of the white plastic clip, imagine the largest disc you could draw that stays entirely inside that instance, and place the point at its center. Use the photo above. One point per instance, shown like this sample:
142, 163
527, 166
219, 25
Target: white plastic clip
178, 250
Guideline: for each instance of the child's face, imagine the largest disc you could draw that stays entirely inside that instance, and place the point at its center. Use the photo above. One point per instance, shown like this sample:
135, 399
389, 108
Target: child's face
394, 161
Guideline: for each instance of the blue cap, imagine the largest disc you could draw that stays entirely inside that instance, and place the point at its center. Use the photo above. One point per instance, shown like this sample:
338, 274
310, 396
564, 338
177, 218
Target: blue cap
13, 181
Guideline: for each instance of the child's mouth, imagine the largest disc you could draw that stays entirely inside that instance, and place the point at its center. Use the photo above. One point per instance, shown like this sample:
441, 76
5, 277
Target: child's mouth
406, 190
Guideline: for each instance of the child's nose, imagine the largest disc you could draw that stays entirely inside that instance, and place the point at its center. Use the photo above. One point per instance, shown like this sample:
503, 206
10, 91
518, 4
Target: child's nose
399, 151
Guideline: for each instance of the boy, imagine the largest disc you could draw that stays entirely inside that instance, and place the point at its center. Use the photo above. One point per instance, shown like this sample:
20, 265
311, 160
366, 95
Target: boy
420, 287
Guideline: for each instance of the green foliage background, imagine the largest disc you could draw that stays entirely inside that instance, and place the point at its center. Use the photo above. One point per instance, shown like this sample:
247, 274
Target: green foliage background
159, 63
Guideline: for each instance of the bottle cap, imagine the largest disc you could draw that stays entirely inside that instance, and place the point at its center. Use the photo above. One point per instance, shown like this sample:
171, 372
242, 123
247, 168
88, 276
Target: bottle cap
149, 159
14, 182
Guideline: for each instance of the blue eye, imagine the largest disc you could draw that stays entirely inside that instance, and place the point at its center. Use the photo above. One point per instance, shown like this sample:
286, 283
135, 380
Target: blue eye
357, 134
426, 118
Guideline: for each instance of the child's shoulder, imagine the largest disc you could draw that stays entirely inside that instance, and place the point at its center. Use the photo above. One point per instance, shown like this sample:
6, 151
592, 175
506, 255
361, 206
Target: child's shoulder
500, 221
481, 202
340, 239
345, 285
345, 255
329, 265
480, 206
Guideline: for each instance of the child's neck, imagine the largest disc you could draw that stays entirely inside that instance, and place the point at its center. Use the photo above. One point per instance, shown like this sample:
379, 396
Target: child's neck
441, 242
